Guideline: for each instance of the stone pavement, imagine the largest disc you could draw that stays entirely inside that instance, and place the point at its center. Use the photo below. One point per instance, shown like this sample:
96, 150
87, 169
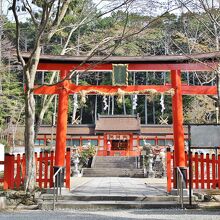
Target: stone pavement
113, 193
123, 186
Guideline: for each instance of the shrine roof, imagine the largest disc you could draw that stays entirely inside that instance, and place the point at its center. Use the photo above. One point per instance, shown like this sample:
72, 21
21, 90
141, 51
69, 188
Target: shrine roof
89, 129
118, 123
76, 129
212, 56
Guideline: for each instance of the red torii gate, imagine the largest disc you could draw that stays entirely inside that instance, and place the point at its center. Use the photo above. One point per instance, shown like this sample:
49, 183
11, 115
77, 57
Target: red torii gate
174, 64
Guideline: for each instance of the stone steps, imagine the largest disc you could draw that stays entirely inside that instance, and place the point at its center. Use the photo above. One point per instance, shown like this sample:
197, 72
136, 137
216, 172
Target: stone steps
113, 193
114, 162
112, 172
48, 197
113, 166
106, 205
110, 202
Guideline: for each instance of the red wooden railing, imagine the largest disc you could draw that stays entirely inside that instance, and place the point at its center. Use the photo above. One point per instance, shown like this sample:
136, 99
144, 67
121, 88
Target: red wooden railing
14, 170
205, 171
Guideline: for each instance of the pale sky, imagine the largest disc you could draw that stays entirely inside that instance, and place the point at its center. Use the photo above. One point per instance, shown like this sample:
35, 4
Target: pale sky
148, 7
143, 6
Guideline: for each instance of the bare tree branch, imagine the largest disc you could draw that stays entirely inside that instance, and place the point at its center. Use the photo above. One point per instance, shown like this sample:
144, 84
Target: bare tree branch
18, 34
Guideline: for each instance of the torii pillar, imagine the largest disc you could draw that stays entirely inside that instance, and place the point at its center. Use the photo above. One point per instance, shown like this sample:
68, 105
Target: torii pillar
178, 130
61, 129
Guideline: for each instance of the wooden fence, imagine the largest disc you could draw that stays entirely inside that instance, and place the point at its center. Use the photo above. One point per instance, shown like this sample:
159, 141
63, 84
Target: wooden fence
205, 170
15, 166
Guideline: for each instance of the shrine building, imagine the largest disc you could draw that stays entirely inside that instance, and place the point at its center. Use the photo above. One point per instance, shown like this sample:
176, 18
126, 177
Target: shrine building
124, 132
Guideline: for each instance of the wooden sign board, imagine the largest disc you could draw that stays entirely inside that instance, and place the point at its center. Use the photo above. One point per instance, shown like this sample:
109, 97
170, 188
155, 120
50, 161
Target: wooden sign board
205, 135
120, 74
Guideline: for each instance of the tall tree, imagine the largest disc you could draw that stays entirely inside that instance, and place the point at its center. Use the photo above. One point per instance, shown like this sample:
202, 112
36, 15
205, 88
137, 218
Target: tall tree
46, 20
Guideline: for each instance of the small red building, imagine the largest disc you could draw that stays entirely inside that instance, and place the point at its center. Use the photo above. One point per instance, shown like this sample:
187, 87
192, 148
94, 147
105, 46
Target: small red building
124, 132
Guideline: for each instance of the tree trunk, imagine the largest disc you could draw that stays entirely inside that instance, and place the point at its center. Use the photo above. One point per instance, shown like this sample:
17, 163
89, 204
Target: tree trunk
92, 109
145, 102
145, 108
30, 177
154, 118
124, 106
81, 114
95, 112
109, 104
132, 96
113, 105
216, 36
132, 103
30, 72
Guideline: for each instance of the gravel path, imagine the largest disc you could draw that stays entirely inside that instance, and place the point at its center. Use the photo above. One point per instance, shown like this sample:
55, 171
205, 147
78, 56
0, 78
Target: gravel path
158, 214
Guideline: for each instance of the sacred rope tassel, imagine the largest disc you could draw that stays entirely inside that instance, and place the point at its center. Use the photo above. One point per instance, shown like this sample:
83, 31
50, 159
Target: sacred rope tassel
75, 101
105, 103
134, 104
162, 103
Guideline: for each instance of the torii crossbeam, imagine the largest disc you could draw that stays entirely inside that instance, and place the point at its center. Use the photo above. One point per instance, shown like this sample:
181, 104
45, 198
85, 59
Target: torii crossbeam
173, 64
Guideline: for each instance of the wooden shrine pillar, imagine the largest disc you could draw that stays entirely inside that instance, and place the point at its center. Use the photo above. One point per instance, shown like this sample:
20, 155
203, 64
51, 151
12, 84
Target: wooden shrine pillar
61, 130
178, 131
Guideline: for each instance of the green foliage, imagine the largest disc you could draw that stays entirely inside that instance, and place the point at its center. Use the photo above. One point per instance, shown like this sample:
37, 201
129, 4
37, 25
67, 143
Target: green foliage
12, 100
86, 154
170, 34
9, 30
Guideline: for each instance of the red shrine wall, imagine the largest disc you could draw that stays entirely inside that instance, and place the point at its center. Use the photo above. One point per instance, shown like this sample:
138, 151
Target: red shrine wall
81, 135
123, 144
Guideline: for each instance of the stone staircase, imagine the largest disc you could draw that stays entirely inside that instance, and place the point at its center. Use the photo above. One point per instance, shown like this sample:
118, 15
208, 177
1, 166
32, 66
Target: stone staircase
113, 193
114, 166
115, 162
111, 202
